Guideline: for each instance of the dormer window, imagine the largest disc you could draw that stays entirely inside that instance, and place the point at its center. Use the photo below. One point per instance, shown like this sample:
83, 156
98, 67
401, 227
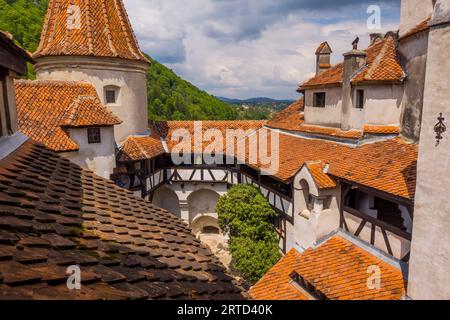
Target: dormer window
112, 95
360, 99
319, 100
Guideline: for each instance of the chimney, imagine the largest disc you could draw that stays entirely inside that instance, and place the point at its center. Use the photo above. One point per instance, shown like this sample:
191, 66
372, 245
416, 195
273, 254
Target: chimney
353, 61
323, 61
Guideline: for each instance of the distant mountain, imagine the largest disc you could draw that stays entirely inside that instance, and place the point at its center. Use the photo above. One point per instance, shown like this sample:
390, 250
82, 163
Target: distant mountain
259, 108
256, 101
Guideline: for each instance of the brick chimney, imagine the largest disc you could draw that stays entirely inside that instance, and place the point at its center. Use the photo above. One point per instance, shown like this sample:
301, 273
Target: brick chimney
323, 61
353, 61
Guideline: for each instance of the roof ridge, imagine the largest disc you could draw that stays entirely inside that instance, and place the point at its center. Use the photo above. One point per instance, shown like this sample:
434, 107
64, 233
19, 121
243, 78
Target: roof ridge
118, 4
108, 28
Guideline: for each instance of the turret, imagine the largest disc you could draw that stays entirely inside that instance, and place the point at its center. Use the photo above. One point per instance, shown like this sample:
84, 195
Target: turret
94, 41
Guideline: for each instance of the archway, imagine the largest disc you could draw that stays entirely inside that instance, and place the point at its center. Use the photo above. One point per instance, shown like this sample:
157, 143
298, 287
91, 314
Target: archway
167, 199
202, 203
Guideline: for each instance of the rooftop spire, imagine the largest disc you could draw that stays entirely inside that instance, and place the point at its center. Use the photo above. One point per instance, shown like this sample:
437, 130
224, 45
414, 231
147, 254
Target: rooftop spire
99, 28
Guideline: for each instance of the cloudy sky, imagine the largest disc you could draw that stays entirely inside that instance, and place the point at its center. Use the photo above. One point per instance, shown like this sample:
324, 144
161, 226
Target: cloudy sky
250, 48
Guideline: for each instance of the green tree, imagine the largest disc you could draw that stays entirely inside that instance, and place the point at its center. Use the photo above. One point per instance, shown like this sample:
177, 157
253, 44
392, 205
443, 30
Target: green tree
246, 216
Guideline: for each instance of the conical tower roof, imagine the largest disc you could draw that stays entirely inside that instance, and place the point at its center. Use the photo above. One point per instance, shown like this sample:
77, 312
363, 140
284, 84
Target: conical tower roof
98, 28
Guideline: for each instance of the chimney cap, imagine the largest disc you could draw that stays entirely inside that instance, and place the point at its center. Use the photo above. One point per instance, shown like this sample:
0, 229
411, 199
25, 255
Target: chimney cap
324, 48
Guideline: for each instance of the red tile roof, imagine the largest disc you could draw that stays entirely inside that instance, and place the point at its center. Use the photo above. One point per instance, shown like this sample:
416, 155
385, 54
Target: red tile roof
373, 129
168, 128
338, 269
389, 166
321, 178
331, 77
46, 108
103, 30
140, 148
290, 118
382, 65
276, 284
53, 214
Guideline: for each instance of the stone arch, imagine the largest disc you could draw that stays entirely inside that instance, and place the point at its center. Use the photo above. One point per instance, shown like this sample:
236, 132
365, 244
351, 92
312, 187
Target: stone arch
167, 199
202, 204
205, 225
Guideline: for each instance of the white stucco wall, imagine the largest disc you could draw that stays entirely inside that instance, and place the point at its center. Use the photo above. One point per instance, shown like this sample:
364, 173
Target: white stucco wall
129, 76
414, 12
99, 157
382, 106
429, 276
328, 116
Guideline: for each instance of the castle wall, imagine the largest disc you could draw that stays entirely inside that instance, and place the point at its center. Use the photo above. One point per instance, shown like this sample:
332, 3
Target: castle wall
414, 12
129, 76
413, 54
429, 276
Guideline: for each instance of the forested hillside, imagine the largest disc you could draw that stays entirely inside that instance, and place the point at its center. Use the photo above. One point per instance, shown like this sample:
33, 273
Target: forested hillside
23, 19
169, 96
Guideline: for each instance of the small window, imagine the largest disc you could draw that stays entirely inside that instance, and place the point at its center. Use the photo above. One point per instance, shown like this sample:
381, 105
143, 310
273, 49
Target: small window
94, 135
111, 96
360, 99
319, 100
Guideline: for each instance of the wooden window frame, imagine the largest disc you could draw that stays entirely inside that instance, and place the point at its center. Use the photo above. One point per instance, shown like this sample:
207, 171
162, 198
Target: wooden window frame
94, 135
109, 91
319, 103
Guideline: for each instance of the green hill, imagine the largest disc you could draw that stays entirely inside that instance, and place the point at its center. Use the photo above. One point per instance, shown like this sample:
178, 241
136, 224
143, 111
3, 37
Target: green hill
173, 98
169, 96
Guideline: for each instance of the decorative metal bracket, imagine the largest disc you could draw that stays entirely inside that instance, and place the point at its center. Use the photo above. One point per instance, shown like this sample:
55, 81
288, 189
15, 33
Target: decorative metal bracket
440, 129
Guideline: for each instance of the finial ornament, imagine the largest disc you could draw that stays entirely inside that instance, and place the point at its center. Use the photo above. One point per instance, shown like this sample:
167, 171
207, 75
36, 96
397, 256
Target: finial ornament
355, 43
440, 129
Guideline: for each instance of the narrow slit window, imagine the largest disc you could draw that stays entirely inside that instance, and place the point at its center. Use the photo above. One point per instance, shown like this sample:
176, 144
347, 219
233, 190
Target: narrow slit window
94, 135
319, 100
360, 99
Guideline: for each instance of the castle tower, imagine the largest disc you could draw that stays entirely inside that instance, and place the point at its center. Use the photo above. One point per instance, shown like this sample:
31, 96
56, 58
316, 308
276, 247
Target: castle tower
92, 40
429, 274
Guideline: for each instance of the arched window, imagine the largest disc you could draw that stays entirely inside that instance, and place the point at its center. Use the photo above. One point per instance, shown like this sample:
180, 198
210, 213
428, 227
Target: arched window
309, 199
112, 95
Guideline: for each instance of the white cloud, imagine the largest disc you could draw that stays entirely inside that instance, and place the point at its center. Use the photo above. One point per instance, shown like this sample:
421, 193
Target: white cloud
244, 48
